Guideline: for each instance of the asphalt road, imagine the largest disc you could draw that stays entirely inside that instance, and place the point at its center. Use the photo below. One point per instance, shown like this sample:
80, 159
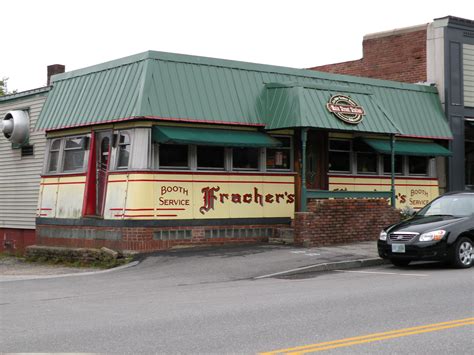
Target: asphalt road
174, 306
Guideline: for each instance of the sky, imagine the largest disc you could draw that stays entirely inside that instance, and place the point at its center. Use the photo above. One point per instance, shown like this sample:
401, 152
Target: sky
291, 33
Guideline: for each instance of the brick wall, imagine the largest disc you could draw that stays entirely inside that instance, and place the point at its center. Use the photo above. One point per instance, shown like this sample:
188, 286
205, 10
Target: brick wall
342, 221
147, 239
400, 56
14, 241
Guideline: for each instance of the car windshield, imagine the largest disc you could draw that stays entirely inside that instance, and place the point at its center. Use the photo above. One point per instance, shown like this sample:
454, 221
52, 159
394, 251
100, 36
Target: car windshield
452, 205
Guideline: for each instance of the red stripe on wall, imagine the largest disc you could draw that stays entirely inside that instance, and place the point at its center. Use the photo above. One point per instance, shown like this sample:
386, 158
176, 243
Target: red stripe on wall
161, 172
62, 175
361, 184
171, 209
62, 183
134, 215
208, 181
382, 177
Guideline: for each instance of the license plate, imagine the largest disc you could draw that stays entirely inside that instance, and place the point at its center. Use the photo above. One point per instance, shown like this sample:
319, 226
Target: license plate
398, 248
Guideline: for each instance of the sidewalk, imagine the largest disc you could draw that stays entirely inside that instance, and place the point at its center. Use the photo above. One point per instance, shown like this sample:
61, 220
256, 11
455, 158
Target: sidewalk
221, 262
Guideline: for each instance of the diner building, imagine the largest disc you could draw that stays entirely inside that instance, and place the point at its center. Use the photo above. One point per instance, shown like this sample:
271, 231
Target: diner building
160, 149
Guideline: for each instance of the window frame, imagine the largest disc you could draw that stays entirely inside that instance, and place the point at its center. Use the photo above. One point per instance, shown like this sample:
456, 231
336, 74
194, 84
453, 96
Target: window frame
195, 157
117, 148
61, 155
351, 156
169, 168
290, 148
259, 163
428, 166
47, 169
65, 149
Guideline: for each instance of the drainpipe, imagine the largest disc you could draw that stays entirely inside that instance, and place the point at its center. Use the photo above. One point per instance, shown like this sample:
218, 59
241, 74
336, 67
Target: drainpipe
304, 137
392, 163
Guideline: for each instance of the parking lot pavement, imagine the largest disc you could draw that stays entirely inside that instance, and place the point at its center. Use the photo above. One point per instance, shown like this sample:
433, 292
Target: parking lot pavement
223, 263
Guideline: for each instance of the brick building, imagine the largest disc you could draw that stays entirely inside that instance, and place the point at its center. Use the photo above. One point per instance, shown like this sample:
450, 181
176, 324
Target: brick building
441, 53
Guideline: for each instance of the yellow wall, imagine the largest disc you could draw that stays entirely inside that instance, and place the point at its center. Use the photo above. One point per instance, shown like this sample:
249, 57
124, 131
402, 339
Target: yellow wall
182, 196
174, 196
411, 192
61, 197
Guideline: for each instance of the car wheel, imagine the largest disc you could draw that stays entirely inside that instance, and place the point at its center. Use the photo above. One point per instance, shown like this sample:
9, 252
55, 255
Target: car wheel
463, 253
400, 262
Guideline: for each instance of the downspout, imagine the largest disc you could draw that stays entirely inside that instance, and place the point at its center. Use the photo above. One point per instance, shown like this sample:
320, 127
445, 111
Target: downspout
304, 137
392, 169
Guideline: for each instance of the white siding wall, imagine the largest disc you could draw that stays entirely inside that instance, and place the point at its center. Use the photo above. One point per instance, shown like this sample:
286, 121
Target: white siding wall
468, 74
20, 177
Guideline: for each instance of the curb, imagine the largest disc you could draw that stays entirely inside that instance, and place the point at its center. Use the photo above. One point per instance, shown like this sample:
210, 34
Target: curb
8, 278
339, 265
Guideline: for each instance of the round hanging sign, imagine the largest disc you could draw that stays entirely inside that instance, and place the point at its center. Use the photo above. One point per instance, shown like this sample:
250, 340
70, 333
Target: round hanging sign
346, 109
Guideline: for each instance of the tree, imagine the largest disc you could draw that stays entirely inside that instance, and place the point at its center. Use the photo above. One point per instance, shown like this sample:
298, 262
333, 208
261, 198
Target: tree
3, 86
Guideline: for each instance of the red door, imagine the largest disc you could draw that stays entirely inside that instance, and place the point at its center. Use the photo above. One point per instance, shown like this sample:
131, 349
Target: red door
103, 145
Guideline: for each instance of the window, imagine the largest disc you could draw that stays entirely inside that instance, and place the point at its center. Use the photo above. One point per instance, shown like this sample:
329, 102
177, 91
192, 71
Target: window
280, 158
54, 155
74, 154
210, 157
417, 165
123, 150
173, 156
339, 155
245, 158
366, 163
387, 165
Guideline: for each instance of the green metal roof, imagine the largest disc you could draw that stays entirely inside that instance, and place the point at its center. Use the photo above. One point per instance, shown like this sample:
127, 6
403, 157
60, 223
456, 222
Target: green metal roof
209, 136
164, 86
408, 148
294, 105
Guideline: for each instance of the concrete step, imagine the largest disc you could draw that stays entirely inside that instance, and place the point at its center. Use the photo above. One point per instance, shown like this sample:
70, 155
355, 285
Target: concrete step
282, 236
285, 233
280, 241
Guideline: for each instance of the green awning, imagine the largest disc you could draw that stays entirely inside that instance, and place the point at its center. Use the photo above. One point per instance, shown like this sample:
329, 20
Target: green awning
409, 148
210, 136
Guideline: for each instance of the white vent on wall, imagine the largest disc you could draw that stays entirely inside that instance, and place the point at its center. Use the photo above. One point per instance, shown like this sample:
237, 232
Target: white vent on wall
16, 127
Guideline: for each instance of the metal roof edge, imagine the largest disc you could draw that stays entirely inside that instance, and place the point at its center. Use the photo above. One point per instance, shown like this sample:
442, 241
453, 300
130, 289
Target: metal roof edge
240, 65
102, 66
23, 94
314, 74
318, 86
